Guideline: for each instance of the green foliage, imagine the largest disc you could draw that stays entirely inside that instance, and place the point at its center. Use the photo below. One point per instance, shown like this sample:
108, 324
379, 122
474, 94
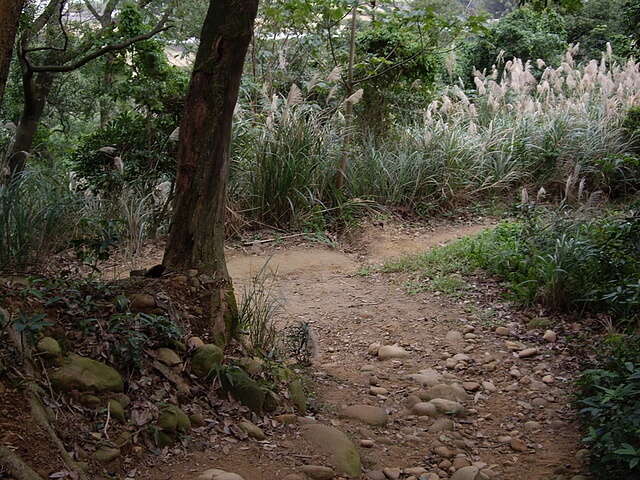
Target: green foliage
133, 333
524, 33
608, 400
139, 142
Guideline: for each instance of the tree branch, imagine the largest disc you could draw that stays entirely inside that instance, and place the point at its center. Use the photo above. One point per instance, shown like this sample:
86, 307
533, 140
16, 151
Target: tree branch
104, 50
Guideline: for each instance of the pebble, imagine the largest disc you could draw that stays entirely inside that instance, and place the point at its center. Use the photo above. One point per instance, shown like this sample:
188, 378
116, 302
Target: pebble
387, 352
373, 349
489, 386
366, 443
528, 352
503, 331
378, 391
548, 379
466, 473
392, 473
415, 471
375, 475
216, 474
441, 425
317, 472
374, 381
423, 409
550, 336
471, 386
443, 452
531, 426
518, 445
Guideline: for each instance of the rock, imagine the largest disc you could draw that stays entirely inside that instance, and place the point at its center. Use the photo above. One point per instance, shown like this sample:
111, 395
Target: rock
538, 323
548, 379
528, 352
271, 400
141, 301
441, 425
378, 391
518, 445
427, 377
317, 472
366, 443
514, 346
460, 462
49, 348
197, 420
423, 409
168, 356
373, 349
447, 392
375, 475
467, 473
471, 386
173, 419
414, 471
205, 359
443, 452
105, 454
287, 419
298, 397
449, 407
195, 343
503, 331
342, 451
244, 390
90, 401
252, 430
85, 374
489, 387
162, 439
116, 410
392, 473
387, 352
531, 426
374, 416
252, 366
215, 474
550, 336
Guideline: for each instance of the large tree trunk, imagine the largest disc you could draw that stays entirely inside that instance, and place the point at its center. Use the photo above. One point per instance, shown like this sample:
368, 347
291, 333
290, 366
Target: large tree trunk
9, 16
196, 236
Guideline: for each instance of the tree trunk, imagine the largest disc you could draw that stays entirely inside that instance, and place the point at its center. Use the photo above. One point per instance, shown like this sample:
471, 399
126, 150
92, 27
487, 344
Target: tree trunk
196, 237
36, 90
9, 16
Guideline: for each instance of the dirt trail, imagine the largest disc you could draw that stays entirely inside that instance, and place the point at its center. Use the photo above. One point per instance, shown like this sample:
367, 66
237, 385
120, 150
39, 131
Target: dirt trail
515, 417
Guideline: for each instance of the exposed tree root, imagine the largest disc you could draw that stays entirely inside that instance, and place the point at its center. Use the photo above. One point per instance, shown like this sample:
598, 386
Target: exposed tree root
37, 413
15, 466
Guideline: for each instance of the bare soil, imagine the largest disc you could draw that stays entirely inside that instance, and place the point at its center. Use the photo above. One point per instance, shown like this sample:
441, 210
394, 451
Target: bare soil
319, 284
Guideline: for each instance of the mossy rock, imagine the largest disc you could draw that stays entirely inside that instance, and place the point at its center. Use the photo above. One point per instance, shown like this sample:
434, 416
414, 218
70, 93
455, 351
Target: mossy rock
173, 419
49, 347
244, 389
343, 453
205, 359
538, 323
116, 410
85, 374
298, 397
162, 439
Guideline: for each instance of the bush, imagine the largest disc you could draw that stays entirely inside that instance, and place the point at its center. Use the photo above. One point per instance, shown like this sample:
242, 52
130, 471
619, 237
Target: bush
608, 399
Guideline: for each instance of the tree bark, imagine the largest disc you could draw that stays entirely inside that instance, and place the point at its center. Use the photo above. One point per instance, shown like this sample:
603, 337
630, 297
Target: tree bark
9, 16
196, 236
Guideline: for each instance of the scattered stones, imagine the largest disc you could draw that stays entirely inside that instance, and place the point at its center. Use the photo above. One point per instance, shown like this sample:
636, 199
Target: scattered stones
387, 352
374, 416
550, 336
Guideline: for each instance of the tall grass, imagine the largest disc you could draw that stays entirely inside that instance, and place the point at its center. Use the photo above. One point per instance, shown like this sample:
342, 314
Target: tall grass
38, 213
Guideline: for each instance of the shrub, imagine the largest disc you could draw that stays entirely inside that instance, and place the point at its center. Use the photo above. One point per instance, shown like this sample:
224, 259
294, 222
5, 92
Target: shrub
608, 400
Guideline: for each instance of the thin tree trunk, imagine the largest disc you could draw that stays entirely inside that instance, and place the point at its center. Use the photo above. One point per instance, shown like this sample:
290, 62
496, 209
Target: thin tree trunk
36, 90
9, 16
348, 115
196, 236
